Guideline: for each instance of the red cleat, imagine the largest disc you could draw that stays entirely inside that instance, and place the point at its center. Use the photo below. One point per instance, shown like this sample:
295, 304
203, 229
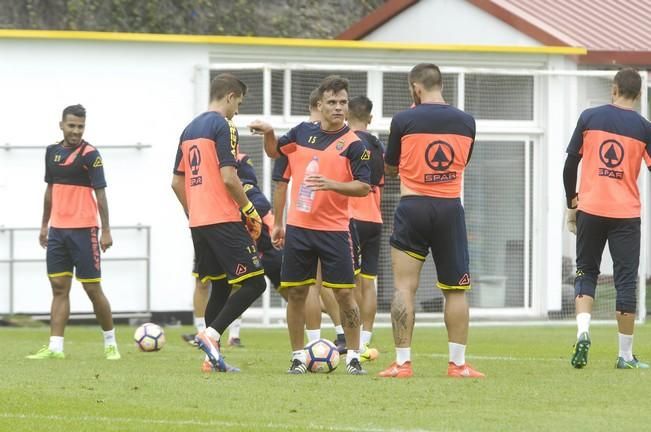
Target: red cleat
463, 371
397, 371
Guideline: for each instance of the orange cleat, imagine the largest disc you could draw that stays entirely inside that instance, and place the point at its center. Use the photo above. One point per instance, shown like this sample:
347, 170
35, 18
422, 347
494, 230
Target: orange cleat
463, 371
206, 367
397, 371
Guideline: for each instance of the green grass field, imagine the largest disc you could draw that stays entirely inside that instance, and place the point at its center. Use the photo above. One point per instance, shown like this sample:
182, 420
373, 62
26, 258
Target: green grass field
530, 386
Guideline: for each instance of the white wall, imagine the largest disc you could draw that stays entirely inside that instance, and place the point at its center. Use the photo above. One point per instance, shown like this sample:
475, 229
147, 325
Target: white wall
449, 22
133, 93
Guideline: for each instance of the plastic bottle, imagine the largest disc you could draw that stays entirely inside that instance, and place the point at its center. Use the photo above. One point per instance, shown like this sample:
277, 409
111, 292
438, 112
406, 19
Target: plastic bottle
305, 193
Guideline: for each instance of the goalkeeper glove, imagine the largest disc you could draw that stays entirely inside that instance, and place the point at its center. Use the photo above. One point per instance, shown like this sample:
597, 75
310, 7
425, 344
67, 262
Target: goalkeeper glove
252, 220
570, 215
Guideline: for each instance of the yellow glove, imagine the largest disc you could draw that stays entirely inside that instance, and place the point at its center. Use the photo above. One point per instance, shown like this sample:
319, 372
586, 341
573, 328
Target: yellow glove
252, 220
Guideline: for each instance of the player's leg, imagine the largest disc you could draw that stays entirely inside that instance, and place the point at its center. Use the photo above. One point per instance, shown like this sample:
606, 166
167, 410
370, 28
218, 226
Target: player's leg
237, 255
449, 244
335, 252
298, 272
200, 297
83, 245
369, 235
59, 270
406, 276
624, 245
331, 306
235, 327
409, 248
313, 309
591, 235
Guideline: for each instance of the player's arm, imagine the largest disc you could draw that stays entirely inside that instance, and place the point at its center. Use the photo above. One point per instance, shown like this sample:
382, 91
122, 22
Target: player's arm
358, 156
280, 199
47, 210
178, 186
570, 174
258, 127
105, 240
392, 154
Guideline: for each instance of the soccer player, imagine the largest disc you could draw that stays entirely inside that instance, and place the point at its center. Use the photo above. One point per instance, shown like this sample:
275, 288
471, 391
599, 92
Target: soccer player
429, 146
367, 220
319, 298
73, 171
611, 141
271, 257
206, 184
327, 164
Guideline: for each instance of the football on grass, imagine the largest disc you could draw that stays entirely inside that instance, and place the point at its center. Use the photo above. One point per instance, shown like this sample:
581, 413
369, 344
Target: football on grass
149, 337
322, 356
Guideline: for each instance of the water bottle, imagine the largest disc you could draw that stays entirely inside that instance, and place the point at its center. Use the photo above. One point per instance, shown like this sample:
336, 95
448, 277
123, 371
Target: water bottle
305, 193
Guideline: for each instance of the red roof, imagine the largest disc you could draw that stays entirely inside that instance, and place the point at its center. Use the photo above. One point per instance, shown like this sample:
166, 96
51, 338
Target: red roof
613, 31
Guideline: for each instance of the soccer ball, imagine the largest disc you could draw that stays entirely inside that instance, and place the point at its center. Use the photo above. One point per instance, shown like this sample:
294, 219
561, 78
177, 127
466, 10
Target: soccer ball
149, 337
322, 356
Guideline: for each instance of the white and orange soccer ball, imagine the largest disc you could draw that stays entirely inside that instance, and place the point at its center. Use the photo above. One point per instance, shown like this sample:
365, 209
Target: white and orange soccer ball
149, 337
322, 356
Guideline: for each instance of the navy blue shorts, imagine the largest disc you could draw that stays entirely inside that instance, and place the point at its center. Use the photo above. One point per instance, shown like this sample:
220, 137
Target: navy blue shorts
74, 248
422, 224
305, 247
369, 235
225, 250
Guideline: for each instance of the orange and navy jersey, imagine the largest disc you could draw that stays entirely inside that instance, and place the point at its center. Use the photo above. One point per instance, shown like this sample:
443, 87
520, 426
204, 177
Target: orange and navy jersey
431, 145
368, 208
611, 141
74, 173
341, 157
208, 143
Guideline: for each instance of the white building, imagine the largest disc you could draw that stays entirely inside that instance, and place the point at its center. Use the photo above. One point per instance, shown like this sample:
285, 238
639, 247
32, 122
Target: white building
141, 90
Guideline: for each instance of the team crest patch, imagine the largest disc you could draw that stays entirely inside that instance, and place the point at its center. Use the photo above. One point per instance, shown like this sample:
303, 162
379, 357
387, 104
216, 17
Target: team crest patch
98, 162
240, 270
340, 144
465, 280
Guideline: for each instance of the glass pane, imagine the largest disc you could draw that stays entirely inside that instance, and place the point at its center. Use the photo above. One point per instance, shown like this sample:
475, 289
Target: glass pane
396, 96
253, 79
499, 97
494, 200
303, 82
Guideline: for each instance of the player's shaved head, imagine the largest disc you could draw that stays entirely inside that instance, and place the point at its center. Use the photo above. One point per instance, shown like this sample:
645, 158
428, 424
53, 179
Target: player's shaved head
628, 82
226, 83
359, 108
426, 74
75, 110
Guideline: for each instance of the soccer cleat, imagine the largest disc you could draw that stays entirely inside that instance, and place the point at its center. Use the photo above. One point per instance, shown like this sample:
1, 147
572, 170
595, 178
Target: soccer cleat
297, 367
235, 342
463, 371
341, 344
111, 352
189, 338
369, 354
581, 347
354, 367
398, 371
633, 364
206, 367
211, 348
45, 354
